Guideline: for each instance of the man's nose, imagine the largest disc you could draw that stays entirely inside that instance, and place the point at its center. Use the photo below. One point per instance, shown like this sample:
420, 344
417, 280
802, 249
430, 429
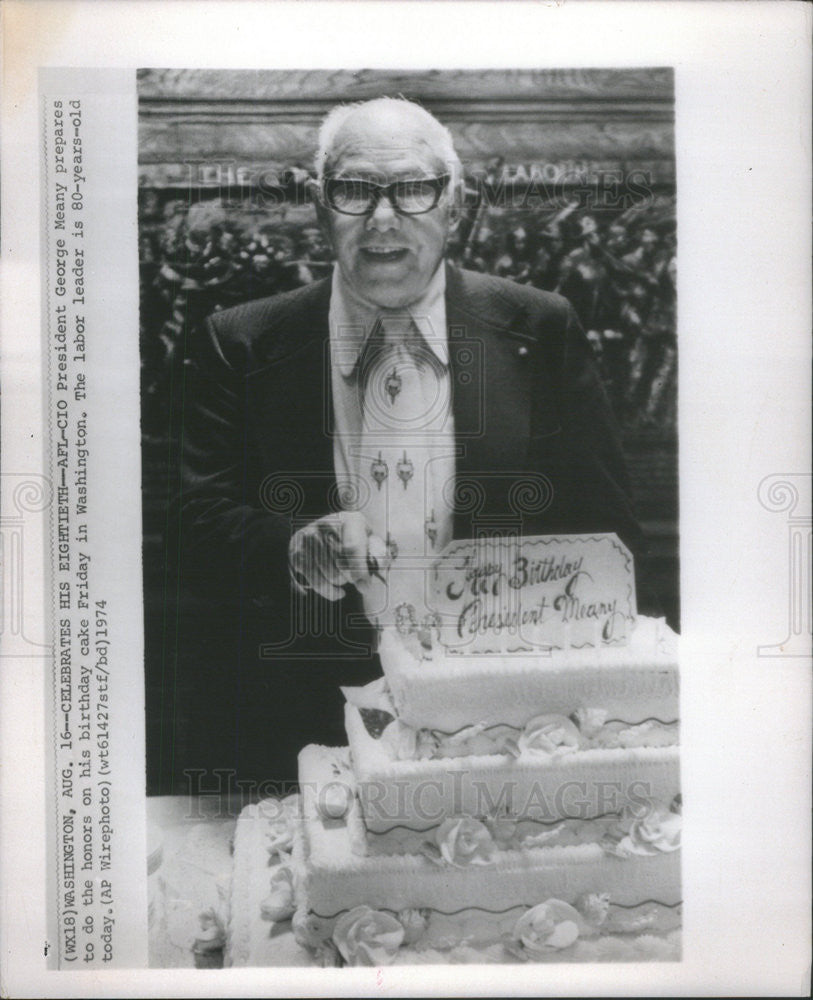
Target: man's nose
383, 216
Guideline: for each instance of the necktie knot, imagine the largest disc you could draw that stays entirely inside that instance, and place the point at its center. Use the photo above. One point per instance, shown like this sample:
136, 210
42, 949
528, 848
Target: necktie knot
396, 351
395, 330
388, 335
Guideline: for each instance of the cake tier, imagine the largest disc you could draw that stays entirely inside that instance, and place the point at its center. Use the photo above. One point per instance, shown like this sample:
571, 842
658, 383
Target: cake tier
402, 800
277, 848
339, 872
446, 691
257, 864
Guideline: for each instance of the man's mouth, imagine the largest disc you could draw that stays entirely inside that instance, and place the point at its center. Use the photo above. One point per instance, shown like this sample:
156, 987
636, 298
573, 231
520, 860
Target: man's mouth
384, 255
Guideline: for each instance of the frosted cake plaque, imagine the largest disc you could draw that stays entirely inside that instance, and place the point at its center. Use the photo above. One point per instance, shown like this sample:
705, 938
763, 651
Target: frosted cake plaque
530, 594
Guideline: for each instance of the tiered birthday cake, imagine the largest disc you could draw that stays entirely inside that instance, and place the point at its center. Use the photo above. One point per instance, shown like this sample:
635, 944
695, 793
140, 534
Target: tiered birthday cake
510, 790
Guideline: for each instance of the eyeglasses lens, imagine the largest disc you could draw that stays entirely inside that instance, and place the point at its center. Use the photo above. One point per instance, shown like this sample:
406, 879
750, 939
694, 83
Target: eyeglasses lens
354, 196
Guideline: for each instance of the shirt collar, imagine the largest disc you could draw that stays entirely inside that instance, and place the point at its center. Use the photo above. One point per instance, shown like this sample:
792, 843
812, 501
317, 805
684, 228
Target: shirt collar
352, 320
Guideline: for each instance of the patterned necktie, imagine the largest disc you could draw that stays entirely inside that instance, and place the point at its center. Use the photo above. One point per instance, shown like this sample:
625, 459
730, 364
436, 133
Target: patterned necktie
403, 413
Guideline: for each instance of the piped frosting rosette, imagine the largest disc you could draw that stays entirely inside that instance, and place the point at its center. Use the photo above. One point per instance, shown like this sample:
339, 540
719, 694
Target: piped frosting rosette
645, 828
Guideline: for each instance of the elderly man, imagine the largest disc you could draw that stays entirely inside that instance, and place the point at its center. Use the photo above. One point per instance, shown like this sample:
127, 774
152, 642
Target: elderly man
338, 436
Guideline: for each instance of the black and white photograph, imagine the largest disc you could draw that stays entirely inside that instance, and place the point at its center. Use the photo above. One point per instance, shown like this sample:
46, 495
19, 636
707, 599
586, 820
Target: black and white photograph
405, 498
393, 323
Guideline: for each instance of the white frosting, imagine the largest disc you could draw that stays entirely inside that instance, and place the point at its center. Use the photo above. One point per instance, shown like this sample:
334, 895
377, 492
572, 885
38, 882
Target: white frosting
569, 832
253, 871
393, 828
632, 682
421, 793
464, 910
338, 878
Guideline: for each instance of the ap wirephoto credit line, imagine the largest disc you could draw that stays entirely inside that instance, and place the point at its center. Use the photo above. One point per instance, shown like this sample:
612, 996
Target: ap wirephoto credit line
96, 664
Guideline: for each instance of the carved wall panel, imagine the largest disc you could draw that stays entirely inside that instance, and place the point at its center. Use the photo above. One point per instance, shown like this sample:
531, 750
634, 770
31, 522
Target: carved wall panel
249, 118
465, 85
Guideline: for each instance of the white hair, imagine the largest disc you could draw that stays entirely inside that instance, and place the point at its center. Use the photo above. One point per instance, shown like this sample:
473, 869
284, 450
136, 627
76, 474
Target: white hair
335, 119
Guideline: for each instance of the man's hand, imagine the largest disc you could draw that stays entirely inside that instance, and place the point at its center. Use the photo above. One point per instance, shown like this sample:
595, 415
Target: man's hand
339, 549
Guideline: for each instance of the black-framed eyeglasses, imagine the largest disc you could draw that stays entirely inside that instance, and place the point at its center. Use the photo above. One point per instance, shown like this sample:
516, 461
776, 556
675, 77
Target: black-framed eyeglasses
357, 196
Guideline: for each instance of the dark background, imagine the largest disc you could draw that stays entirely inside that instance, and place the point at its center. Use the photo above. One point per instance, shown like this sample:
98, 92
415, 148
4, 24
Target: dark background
570, 187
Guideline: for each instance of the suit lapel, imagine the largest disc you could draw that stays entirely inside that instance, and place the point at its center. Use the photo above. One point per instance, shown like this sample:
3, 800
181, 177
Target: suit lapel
290, 395
491, 385
489, 350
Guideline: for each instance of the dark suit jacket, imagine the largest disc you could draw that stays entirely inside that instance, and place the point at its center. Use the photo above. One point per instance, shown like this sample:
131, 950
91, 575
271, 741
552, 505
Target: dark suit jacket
538, 447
